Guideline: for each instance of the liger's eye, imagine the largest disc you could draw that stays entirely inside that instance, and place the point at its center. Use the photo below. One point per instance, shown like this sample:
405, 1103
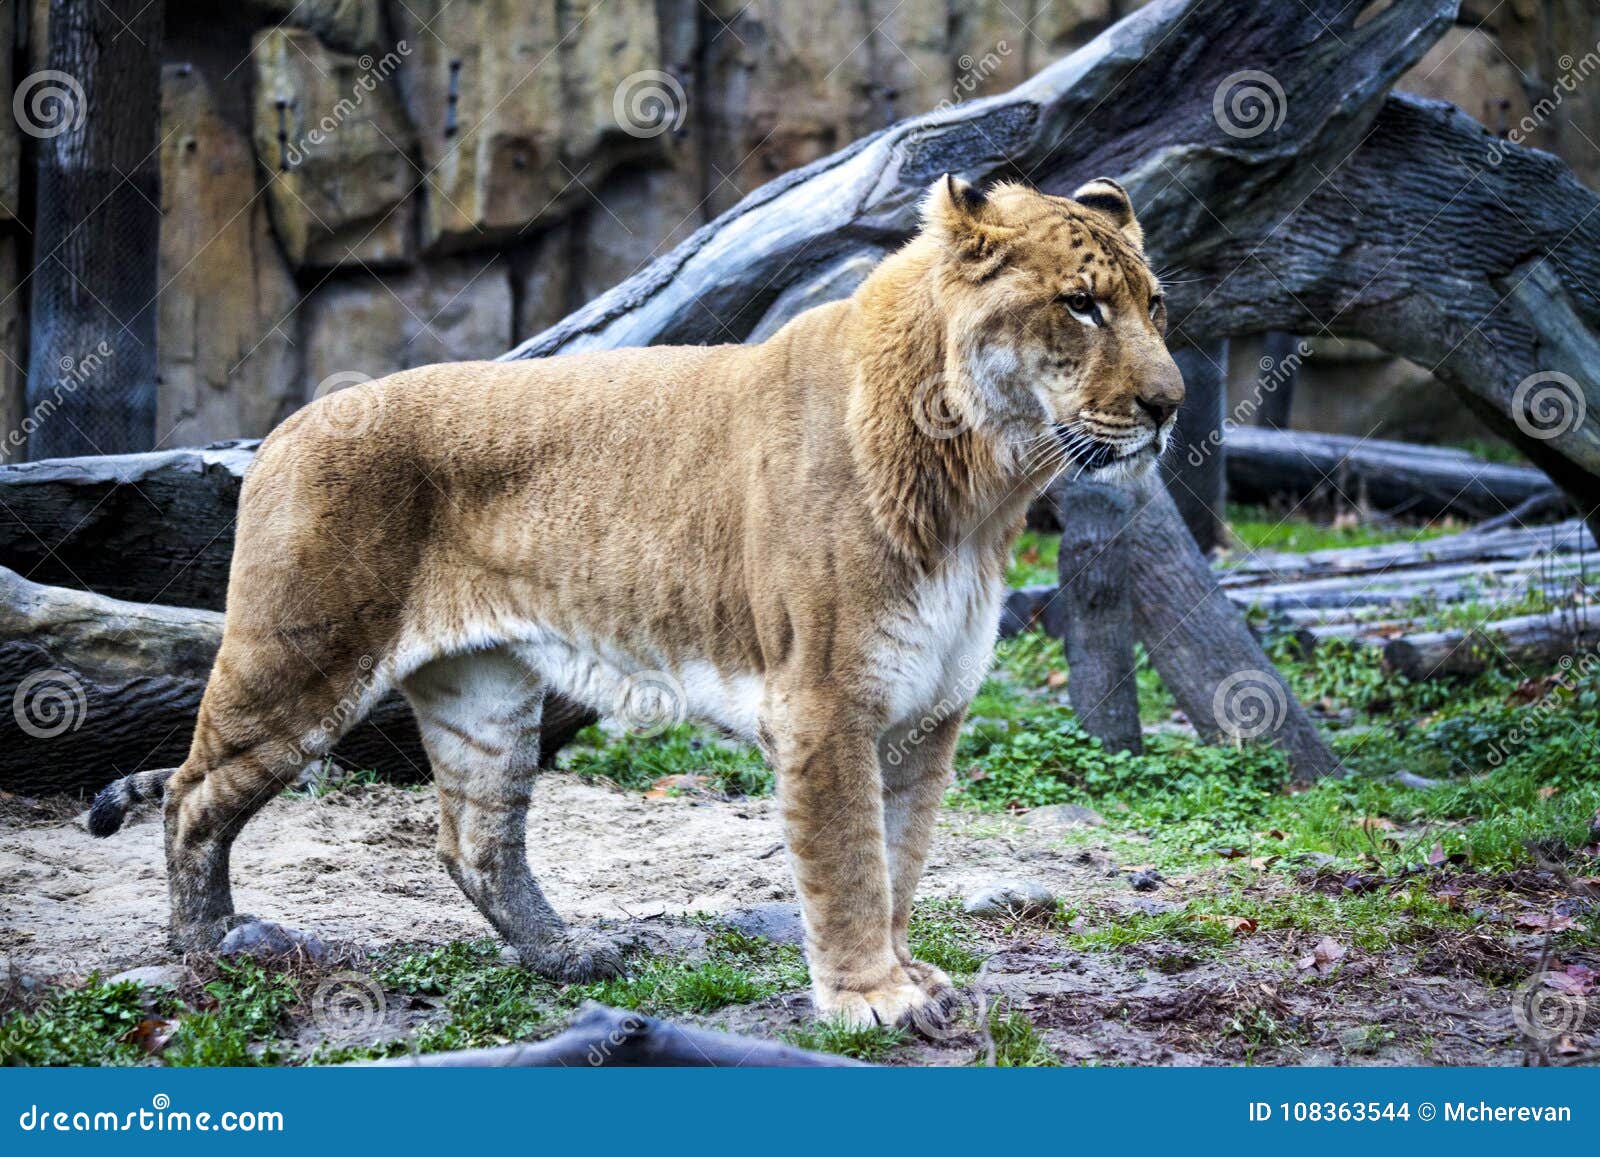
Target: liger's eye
1082, 307
1156, 303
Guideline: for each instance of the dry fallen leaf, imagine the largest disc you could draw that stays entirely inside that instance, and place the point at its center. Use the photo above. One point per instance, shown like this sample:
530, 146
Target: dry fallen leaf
1376, 824
1547, 792
1542, 922
1574, 979
1055, 680
1238, 925
1324, 957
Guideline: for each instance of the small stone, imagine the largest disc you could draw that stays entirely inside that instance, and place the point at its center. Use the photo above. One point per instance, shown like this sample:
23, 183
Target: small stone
1360, 1041
1146, 881
779, 923
264, 940
155, 976
1064, 815
1018, 898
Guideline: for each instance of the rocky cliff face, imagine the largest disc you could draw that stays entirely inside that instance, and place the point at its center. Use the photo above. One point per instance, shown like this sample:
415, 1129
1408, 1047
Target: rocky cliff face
356, 186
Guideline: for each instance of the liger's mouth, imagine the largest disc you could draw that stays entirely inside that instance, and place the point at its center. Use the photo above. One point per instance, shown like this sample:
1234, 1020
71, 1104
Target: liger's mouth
1091, 454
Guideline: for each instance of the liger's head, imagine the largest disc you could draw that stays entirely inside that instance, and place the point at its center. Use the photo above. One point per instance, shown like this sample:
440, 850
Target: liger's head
1055, 325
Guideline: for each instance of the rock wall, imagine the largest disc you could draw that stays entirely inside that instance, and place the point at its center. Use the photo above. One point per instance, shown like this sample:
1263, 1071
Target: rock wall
357, 186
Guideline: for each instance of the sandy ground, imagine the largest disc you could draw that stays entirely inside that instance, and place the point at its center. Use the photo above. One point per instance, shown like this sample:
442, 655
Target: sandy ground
358, 865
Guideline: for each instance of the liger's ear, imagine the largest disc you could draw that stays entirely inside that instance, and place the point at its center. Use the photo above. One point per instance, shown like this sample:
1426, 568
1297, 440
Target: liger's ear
960, 217
1109, 199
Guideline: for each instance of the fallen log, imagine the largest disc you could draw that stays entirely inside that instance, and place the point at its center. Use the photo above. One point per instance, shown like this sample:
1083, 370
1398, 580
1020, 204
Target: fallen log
1395, 477
602, 1037
154, 527
1526, 641
99, 688
1566, 538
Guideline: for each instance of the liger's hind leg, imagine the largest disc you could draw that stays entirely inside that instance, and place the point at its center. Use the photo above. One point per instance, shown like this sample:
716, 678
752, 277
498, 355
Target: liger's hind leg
479, 716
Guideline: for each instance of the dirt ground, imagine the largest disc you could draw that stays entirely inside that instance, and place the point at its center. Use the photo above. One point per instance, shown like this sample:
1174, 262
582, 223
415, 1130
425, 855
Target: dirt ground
357, 867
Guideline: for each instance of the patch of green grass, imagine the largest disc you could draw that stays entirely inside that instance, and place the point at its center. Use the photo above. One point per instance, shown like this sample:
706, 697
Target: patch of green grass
872, 1044
635, 763
1017, 1043
1033, 559
1259, 529
84, 1026
1178, 927
249, 1003
1491, 450
943, 939
235, 1022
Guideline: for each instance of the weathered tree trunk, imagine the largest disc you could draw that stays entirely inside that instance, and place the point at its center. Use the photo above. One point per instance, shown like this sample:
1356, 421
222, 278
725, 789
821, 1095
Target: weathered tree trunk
1203, 650
1398, 477
1194, 465
1097, 632
97, 114
601, 1037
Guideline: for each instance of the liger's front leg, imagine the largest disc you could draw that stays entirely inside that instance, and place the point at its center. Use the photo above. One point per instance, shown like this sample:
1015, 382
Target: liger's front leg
830, 793
917, 765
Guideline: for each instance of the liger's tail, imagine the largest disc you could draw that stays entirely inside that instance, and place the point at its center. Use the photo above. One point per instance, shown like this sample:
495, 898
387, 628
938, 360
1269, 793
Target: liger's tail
112, 802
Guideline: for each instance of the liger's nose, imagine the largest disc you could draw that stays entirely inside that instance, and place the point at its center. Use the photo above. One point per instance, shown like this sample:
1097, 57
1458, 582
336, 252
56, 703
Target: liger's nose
1159, 409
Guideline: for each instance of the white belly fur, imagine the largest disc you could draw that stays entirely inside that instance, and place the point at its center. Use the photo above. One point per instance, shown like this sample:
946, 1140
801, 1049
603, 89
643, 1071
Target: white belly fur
949, 631
641, 690
946, 644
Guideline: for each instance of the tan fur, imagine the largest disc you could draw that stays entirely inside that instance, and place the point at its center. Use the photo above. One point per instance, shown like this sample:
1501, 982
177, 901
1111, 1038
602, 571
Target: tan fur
767, 531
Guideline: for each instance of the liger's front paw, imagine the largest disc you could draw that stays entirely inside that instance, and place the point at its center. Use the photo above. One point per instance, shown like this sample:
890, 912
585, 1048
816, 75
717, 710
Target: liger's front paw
575, 958
900, 1002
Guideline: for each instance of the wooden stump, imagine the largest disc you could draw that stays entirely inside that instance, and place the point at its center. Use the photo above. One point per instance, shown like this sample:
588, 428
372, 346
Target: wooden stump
1096, 626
